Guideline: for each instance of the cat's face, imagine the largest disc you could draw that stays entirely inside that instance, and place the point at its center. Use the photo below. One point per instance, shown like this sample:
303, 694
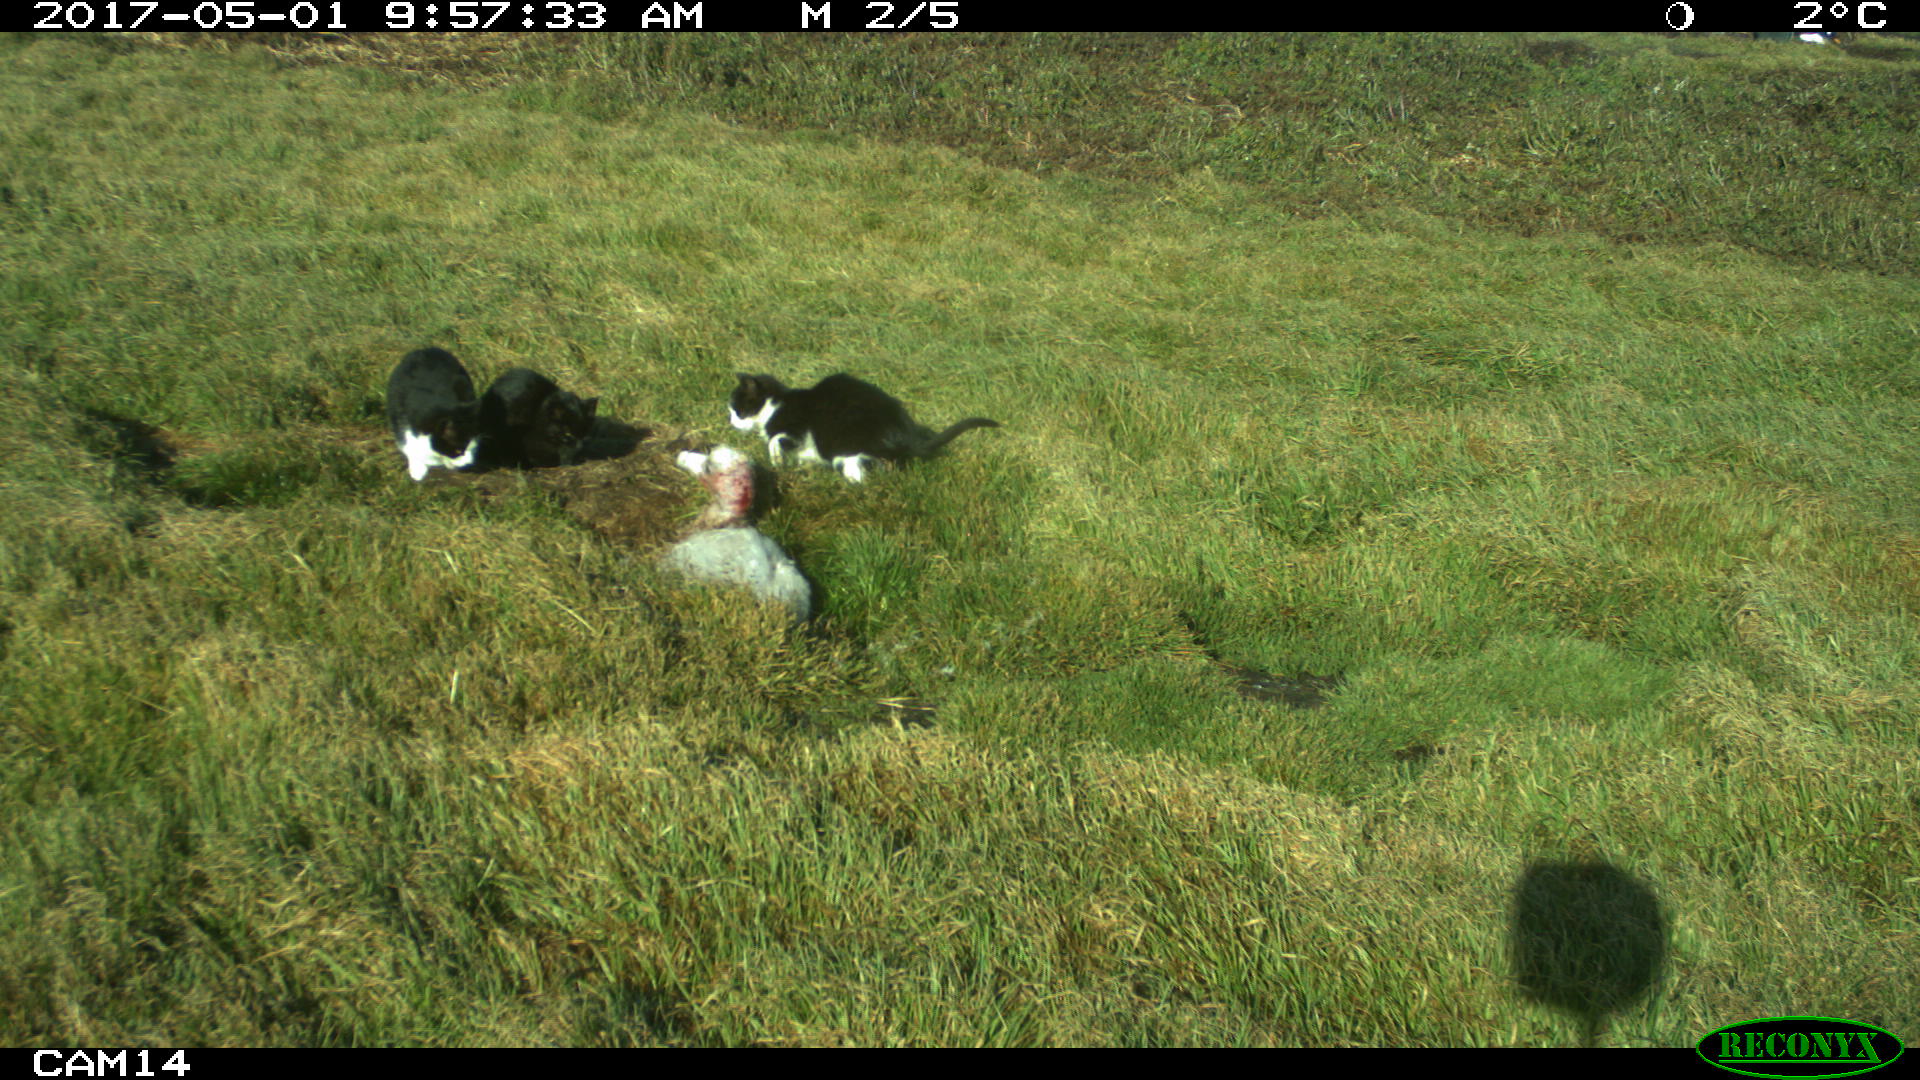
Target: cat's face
451, 433
560, 429
754, 401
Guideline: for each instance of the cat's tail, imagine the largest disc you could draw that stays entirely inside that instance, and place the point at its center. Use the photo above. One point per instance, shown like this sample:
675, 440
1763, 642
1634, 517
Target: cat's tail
934, 444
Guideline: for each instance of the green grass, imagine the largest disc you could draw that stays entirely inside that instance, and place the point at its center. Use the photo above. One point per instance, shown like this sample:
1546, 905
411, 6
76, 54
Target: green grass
1799, 153
1574, 425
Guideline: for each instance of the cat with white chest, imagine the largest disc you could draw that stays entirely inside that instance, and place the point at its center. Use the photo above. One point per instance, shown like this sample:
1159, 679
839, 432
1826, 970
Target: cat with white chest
841, 422
433, 412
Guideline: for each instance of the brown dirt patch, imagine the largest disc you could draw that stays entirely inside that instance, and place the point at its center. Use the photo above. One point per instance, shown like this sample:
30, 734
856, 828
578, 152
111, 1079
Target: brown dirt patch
630, 490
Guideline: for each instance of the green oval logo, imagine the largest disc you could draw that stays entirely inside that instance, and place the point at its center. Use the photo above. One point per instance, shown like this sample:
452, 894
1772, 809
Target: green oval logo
1800, 1047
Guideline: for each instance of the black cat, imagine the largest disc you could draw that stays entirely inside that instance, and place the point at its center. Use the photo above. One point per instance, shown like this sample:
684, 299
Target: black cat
840, 422
529, 422
431, 408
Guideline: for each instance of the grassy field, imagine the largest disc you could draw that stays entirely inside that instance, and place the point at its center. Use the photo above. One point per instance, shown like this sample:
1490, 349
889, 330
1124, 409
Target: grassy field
1555, 398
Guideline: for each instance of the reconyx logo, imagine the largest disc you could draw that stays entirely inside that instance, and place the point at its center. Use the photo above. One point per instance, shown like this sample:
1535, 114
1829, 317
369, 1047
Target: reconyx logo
1800, 1047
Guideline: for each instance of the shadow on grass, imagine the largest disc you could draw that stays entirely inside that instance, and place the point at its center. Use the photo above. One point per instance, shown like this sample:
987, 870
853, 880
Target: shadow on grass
139, 446
610, 438
1587, 939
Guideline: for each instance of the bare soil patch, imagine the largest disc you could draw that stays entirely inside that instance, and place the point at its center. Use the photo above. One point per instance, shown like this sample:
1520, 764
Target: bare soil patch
629, 488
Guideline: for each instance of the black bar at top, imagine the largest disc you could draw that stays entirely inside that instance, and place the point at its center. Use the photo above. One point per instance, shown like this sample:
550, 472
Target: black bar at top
938, 16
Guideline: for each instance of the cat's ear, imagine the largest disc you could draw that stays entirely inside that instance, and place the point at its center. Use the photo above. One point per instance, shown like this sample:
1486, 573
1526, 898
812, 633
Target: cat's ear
588, 407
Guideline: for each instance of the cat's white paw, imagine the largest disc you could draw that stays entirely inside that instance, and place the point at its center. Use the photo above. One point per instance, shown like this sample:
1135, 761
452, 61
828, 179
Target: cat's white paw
418, 450
466, 458
854, 466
